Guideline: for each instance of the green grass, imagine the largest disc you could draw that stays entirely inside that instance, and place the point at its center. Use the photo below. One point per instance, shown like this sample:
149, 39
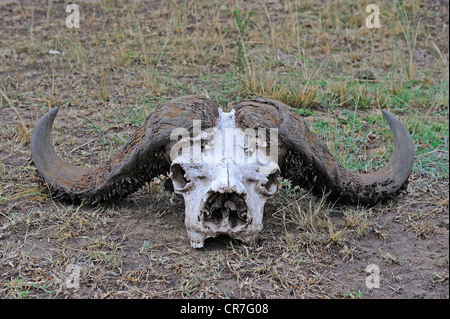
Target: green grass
348, 139
126, 60
424, 108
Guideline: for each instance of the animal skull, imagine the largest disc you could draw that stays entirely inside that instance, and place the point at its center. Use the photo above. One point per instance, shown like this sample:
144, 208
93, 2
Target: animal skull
226, 187
219, 162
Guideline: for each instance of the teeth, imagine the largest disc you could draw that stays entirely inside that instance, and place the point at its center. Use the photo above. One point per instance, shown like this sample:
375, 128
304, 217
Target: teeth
206, 213
196, 244
230, 205
243, 215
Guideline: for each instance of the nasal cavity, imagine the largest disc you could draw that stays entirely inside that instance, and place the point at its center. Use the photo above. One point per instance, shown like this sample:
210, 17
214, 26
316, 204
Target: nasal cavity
225, 211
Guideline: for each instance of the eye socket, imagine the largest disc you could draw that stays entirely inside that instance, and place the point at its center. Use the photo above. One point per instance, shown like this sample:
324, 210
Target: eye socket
272, 183
178, 176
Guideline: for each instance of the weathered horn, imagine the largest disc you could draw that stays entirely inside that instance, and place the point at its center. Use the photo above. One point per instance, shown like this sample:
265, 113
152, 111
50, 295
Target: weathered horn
144, 156
306, 161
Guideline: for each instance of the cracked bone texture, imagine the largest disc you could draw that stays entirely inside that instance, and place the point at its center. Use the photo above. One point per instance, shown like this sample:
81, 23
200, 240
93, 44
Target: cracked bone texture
226, 192
225, 169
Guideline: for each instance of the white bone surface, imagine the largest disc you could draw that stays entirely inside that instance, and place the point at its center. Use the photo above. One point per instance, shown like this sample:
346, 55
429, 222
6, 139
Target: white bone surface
219, 178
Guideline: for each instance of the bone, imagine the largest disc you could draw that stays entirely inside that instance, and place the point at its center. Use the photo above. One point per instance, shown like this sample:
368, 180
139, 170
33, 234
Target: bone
225, 193
230, 205
243, 215
228, 199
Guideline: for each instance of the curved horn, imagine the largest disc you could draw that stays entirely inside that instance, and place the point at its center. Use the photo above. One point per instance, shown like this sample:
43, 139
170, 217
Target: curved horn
143, 157
306, 160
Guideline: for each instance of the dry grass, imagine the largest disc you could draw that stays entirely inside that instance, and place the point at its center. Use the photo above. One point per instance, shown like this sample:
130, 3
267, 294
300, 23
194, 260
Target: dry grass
130, 56
269, 86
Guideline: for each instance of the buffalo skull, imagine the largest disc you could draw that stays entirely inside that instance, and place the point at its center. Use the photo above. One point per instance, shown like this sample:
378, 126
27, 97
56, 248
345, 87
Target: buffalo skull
225, 165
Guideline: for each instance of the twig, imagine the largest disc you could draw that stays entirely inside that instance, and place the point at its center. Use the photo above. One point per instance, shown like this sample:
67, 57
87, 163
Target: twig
83, 145
24, 127
428, 153
440, 57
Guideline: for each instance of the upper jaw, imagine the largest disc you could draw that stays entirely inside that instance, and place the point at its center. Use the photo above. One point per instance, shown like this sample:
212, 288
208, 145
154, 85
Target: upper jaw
223, 214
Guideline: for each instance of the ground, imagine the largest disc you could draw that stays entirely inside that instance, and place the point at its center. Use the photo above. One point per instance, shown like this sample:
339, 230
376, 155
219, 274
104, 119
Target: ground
318, 57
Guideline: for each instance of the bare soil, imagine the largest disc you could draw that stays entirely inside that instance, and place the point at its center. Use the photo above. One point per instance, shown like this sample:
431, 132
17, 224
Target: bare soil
138, 247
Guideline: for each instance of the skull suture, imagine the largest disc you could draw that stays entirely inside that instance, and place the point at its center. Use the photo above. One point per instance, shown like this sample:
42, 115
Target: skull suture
227, 184
225, 165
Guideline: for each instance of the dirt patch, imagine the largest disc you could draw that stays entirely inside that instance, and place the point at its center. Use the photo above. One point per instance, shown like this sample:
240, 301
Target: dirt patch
139, 249
129, 58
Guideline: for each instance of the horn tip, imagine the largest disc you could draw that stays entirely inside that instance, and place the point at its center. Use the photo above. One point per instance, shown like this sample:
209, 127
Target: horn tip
386, 113
390, 118
53, 111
